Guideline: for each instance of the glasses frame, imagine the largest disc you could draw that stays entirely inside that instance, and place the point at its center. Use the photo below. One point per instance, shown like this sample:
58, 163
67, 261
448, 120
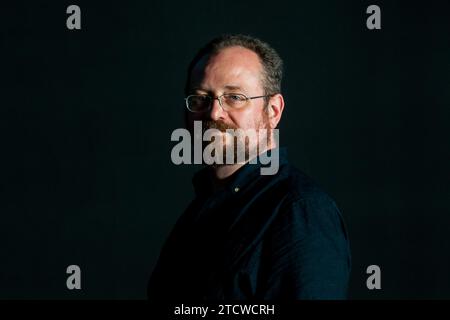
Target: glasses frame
220, 100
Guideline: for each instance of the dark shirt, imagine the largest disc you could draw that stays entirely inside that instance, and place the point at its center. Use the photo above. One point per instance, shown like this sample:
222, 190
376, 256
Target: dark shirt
277, 237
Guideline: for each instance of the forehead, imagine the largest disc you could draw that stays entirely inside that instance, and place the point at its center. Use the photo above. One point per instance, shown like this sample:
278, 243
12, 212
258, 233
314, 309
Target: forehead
234, 66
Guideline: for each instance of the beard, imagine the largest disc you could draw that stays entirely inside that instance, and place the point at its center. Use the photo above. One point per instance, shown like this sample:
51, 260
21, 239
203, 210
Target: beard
239, 143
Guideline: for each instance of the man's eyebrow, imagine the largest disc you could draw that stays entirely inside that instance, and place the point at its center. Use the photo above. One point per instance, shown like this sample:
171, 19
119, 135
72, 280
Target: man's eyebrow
232, 87
227, 87
197, 89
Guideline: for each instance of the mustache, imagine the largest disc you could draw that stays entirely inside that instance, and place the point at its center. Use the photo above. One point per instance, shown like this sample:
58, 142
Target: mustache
219, 125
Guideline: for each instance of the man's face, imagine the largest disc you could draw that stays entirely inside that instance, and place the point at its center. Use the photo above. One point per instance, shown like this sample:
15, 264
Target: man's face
232, 70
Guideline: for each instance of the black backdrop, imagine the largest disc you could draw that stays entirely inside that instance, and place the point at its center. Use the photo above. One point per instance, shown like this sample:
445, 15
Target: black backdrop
86, 117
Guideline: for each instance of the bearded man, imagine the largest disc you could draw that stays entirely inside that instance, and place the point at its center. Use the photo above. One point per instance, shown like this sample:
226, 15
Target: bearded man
248, 234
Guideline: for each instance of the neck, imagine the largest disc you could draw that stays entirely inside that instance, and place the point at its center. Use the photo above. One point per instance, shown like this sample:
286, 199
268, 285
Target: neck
222, 172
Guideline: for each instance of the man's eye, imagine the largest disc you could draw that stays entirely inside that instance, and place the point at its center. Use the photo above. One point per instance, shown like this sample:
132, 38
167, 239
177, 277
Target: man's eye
236, 97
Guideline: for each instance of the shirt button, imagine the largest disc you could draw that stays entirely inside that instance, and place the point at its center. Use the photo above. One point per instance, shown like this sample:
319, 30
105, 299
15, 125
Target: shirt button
236, 189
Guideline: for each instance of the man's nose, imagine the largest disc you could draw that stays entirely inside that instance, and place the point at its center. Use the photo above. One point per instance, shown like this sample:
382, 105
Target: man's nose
216, 112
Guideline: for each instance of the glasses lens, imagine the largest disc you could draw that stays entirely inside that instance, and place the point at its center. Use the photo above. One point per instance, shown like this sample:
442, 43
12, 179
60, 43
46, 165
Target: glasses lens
235, 100
198, 103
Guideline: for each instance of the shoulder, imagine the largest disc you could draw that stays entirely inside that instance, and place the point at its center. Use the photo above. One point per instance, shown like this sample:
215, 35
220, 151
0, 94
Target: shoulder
297, 187
306, 206
309, 225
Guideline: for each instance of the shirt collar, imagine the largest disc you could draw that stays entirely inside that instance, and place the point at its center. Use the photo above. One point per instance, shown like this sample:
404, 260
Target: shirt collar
202, 180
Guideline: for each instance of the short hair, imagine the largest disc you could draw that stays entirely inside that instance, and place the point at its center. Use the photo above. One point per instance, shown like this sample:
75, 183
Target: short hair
271, 62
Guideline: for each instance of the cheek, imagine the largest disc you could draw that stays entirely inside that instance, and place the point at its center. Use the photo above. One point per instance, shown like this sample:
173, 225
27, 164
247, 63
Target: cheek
191, 117
247, 119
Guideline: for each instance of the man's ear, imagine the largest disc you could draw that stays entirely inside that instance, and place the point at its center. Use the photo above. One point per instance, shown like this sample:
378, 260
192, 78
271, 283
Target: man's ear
275, 109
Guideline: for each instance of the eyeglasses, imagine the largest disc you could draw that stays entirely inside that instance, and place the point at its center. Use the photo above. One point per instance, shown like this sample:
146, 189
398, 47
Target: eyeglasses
228, 101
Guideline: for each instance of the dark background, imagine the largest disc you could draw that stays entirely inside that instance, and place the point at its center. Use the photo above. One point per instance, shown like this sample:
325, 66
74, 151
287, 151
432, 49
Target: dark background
86, 117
